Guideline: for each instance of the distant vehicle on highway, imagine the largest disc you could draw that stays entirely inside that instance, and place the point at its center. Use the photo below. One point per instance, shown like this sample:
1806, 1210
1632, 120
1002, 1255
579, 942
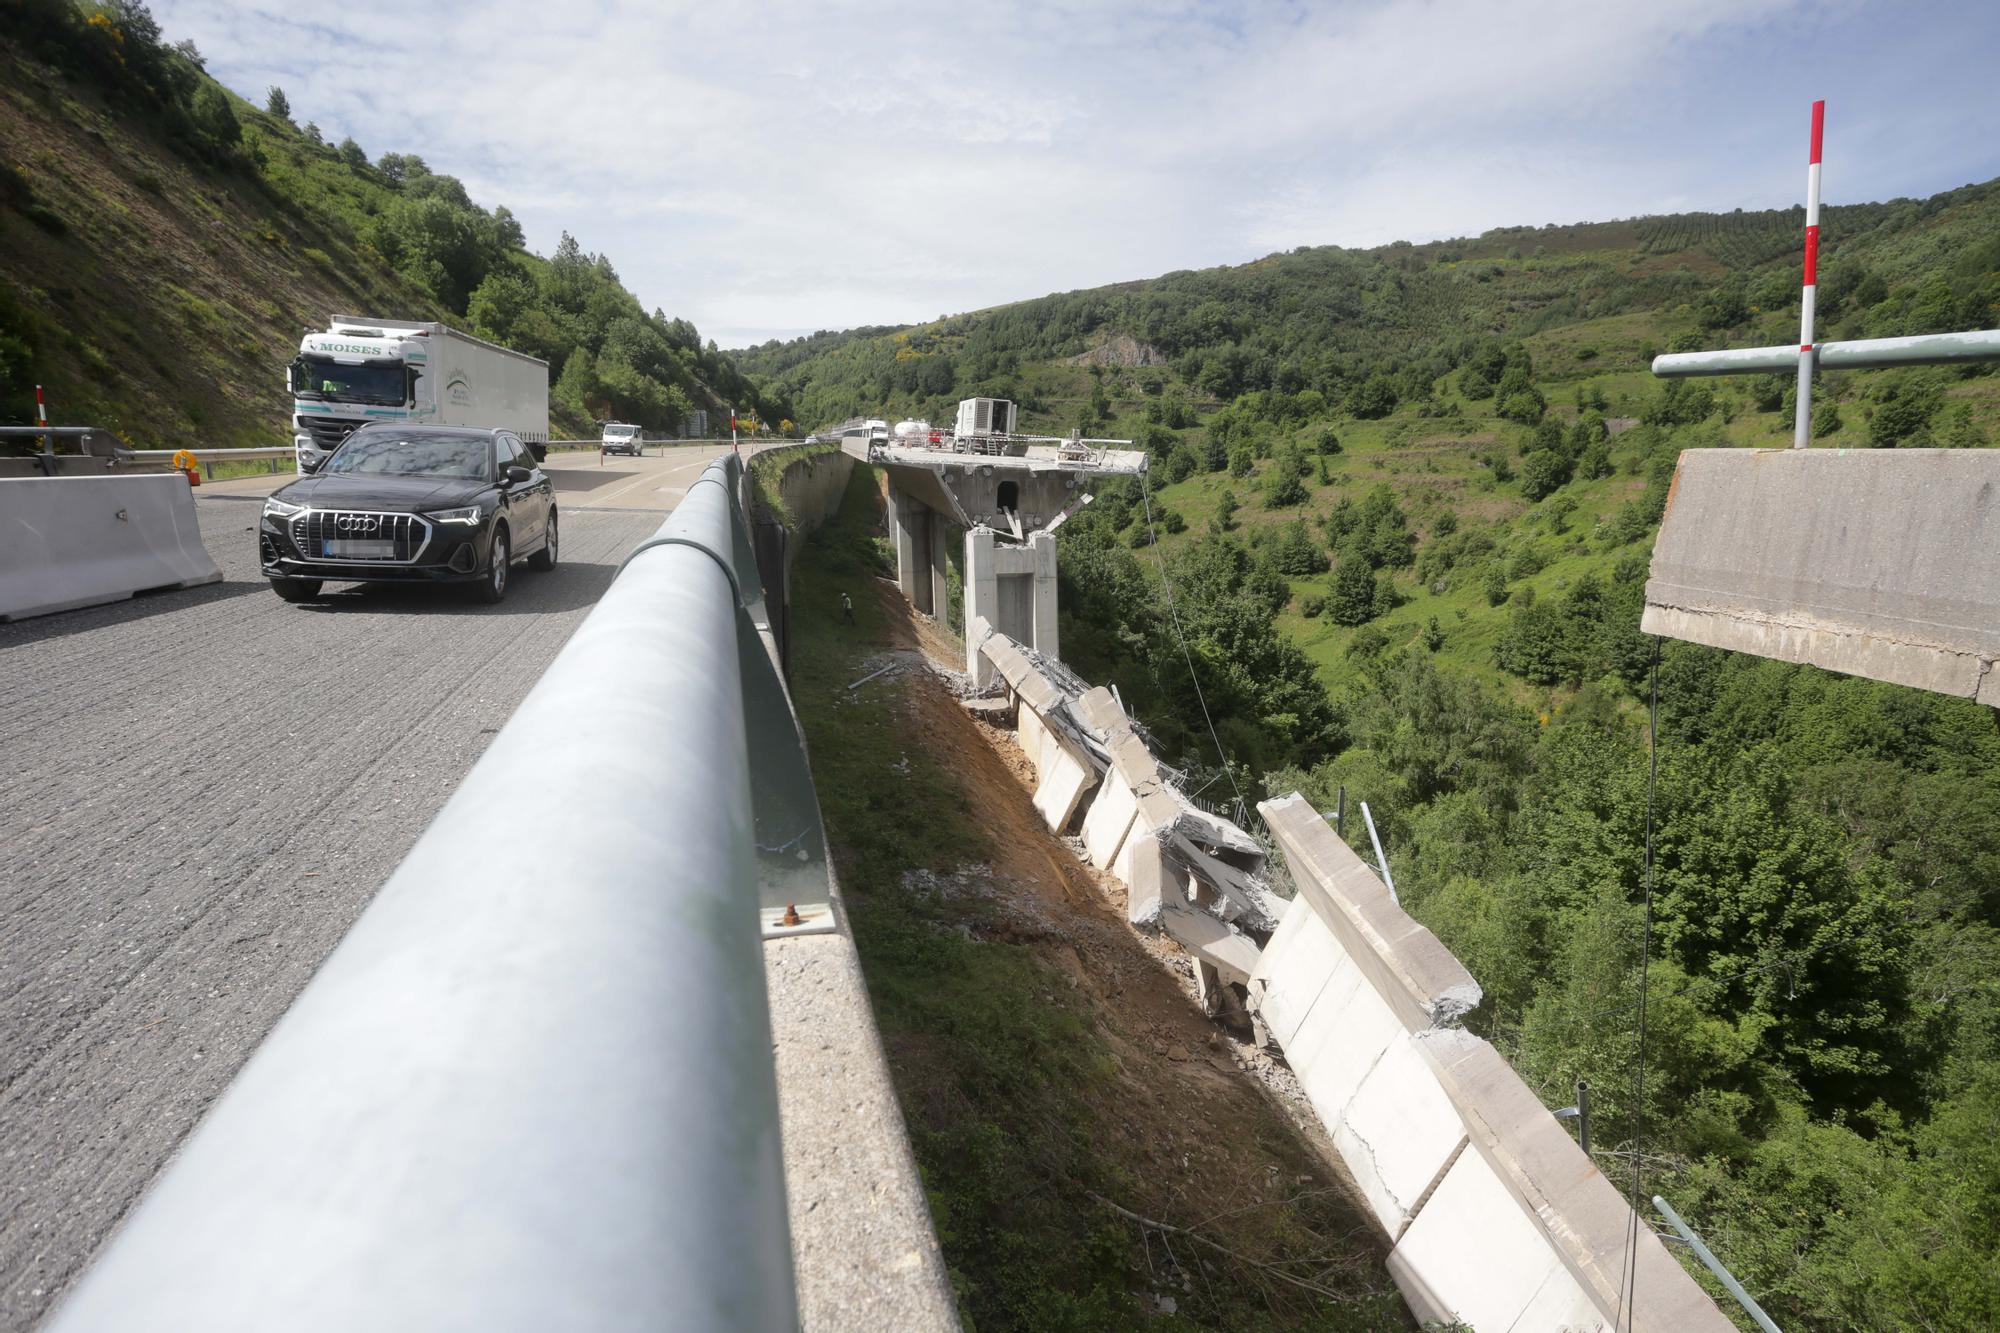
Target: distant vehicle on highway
363, 370
412, 504
620, 438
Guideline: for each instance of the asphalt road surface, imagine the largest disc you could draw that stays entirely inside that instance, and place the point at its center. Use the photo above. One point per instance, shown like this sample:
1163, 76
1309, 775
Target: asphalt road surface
203, 789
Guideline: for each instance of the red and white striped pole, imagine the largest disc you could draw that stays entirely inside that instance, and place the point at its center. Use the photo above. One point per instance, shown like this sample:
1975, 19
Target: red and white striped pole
42, 413
1802, 425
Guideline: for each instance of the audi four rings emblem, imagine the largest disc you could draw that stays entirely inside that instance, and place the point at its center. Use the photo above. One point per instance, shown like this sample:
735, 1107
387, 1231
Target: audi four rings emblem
357, 522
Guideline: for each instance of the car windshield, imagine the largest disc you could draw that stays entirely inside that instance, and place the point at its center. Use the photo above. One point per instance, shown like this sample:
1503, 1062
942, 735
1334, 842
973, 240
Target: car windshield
322, 377
396, 453
620, 432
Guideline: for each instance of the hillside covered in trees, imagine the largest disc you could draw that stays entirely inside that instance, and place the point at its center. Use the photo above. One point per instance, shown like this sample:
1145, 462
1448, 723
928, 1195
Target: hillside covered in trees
1406, 498
163, 243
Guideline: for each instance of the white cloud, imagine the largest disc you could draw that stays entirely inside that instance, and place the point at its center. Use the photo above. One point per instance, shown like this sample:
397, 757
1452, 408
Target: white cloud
768, 169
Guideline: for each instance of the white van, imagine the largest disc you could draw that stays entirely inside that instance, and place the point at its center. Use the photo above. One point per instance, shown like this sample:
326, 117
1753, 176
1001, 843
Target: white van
620, 438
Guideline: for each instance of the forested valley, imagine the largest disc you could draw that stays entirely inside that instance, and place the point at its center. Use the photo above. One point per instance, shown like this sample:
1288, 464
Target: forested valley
1404, 500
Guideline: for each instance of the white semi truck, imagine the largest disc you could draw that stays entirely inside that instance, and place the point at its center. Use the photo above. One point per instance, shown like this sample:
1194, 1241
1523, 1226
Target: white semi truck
363, 369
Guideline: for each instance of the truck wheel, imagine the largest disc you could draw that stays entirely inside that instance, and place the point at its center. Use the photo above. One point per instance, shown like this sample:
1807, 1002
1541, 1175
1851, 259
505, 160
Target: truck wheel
493, 588
296, 590
544, 560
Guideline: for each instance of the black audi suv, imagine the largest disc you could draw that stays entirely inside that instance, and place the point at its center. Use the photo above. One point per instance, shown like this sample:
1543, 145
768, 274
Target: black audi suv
412, 504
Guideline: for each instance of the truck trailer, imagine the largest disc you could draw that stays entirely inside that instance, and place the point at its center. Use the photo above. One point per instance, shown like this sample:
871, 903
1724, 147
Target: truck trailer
363, 369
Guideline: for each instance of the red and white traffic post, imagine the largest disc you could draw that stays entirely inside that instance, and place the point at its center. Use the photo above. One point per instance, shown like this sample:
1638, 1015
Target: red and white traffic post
42, 415
1802, 424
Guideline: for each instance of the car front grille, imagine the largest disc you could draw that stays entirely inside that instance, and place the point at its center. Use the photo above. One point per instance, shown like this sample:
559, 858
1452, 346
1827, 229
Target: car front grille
406, 534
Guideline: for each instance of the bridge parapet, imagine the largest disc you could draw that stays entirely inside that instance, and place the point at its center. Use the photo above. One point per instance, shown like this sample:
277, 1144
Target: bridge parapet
536, 1086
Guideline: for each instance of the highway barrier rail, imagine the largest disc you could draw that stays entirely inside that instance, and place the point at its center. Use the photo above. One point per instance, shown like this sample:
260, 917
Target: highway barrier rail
533, 1087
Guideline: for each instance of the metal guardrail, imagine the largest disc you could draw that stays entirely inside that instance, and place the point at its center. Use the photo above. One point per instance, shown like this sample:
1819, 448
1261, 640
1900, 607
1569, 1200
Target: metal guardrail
1924, 349
533, 1087
203, 455
208, 458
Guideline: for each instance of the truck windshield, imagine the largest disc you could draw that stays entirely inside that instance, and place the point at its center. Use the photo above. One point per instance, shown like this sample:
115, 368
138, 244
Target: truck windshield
397, 453
321, 377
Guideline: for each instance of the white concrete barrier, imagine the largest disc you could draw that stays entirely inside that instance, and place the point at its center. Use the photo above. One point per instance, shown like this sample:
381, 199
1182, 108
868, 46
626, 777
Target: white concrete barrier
68, 542
1496, 1217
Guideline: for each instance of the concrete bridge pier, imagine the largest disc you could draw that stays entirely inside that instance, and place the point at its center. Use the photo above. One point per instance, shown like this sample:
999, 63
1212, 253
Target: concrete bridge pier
924, 539
906, 530
1014, 589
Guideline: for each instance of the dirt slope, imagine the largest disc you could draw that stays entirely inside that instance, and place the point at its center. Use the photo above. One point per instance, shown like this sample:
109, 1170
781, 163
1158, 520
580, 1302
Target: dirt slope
1097, 1152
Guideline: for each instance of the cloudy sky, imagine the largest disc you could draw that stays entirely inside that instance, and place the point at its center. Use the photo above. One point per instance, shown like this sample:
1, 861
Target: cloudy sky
770, 168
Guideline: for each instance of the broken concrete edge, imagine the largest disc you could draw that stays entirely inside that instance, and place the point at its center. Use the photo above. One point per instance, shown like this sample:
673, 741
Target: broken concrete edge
1214, 942
1255, 906
1097, 709
1846, 648
1408, 965
1586, 1220
1011, 660
1877, 563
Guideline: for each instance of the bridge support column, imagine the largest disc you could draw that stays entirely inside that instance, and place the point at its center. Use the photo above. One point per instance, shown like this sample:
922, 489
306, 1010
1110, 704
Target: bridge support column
941, 532
1014, 589
906, 530
1042, 545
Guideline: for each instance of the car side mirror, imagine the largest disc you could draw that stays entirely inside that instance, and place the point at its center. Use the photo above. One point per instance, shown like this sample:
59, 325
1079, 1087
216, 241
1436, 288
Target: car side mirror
310, 466
517, 476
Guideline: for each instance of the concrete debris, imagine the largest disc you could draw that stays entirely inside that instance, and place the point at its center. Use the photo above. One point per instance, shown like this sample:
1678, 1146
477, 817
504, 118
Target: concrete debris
899, 662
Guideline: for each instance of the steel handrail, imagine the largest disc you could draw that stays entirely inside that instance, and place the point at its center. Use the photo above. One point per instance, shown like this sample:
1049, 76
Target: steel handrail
533, 1087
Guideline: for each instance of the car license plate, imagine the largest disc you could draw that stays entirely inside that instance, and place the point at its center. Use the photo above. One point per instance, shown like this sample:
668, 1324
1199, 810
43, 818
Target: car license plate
347, 548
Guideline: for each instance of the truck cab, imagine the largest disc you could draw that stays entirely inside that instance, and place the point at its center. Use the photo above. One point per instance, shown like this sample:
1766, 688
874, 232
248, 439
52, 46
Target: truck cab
347, 377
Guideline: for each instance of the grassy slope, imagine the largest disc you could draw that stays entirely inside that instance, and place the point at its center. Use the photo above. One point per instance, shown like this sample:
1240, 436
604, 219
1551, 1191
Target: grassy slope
168, 296
1034, 1081
171, 306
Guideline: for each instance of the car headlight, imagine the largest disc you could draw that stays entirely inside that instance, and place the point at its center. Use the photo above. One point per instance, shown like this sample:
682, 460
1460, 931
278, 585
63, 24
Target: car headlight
469, 514
276, 508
